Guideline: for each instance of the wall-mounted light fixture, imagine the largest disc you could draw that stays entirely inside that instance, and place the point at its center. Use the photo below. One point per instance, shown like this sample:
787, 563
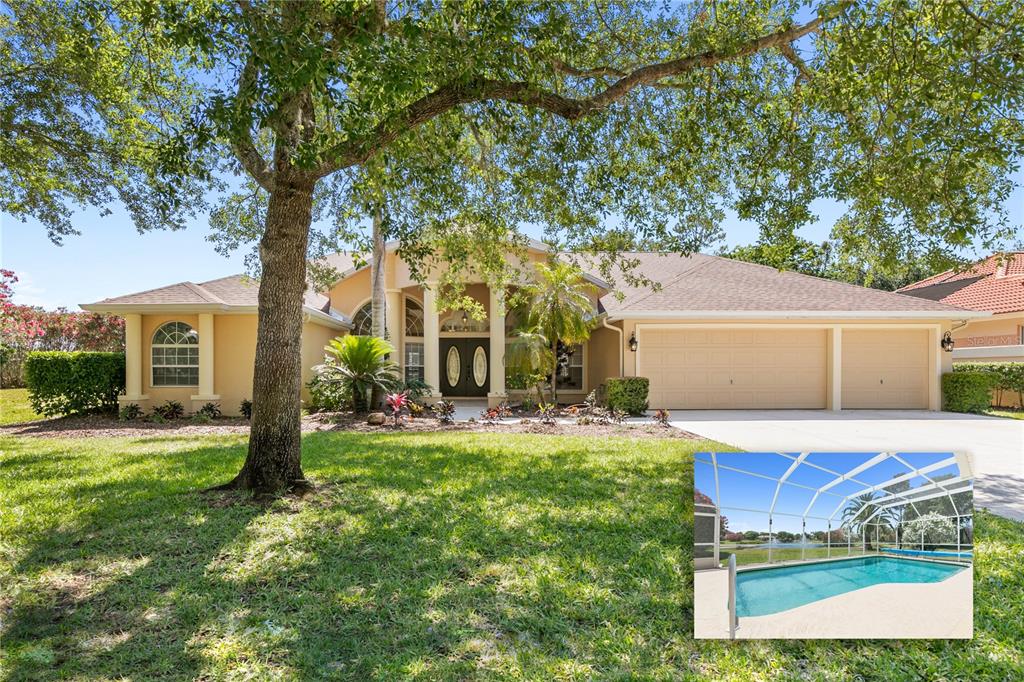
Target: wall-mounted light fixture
465, 318
633, 342
947, 342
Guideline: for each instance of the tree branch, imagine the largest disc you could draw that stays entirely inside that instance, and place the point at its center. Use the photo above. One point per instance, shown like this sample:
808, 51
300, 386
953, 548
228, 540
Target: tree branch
241, 140
452, 95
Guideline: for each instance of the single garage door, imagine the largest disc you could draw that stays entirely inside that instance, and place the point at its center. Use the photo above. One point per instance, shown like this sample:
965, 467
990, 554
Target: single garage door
732, 369
885, 369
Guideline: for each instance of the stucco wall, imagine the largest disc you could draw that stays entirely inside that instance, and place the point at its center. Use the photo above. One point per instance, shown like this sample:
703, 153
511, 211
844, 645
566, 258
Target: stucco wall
348, 295
234, 357
602, 356
314, 338
1001, 331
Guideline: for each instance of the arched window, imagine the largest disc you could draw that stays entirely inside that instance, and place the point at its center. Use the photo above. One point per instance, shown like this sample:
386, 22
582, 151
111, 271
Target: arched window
413, 318
362, 321
175, 351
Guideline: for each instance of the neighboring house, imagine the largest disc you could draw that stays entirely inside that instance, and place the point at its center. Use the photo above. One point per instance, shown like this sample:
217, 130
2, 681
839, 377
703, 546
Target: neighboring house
995, 286
717, 334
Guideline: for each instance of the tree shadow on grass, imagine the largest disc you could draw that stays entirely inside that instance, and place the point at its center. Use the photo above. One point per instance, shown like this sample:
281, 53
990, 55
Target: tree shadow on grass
96, 592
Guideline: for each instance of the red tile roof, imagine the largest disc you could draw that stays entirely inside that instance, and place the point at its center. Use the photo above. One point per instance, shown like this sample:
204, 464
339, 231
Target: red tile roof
995, 285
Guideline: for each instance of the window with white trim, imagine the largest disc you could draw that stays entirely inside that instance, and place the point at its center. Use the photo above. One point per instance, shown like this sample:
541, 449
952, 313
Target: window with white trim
362, 321
175, 355
414, 361
570, 367
413, 318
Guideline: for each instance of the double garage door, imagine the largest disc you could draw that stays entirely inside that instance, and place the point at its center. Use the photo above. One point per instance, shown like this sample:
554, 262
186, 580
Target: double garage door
700, 369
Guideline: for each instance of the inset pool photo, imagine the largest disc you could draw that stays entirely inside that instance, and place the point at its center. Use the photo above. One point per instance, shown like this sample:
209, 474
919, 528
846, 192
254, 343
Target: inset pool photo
829, 545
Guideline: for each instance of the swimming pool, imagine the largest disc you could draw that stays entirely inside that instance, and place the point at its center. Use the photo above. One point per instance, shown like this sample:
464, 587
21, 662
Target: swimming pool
763, 591
930, 553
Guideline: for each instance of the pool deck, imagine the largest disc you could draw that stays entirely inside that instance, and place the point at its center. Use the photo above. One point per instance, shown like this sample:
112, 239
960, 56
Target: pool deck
943, 610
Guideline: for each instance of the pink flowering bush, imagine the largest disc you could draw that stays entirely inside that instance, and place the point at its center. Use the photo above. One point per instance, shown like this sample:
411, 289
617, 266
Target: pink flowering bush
25, 328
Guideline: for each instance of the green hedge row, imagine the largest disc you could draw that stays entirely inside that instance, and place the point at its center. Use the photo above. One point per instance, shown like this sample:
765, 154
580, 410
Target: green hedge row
62, 382
628, 394
967, 391
1008, 377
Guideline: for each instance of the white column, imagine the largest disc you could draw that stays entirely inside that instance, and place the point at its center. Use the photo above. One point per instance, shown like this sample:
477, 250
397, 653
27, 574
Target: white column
206, 346
393, 317
836, 403
497, 393
431, 340
132, 358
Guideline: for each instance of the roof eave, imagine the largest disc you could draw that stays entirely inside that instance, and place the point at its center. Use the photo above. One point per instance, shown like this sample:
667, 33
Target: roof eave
797, 314
311, 314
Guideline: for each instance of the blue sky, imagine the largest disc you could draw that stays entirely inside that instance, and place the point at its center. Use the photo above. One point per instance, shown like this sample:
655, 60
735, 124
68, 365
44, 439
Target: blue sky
111, 258
754, 493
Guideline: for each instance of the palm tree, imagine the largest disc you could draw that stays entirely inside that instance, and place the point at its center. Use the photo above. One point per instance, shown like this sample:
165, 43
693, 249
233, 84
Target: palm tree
559, 310
528, 352
861, 508
360, 364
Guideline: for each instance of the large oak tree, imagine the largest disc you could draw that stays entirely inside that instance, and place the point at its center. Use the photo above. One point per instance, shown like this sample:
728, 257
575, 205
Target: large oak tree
615, 125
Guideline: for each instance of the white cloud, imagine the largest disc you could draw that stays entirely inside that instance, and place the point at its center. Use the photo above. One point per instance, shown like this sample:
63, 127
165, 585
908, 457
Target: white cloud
28, 292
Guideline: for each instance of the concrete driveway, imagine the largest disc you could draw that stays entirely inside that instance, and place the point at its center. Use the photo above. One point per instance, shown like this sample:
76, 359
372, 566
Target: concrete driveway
997, 445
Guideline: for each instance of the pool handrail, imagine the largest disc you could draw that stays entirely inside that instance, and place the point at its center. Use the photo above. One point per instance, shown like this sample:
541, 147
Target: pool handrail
733, 619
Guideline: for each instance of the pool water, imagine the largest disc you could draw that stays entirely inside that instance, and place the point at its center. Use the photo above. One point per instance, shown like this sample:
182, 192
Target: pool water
764, 591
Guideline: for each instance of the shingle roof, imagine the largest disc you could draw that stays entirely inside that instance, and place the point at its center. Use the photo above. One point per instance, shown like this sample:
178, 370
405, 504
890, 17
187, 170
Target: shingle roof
234, 290
701, 283
995, 285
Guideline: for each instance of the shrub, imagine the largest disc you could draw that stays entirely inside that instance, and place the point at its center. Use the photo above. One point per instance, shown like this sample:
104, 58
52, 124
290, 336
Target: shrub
628, 394
172, 409
201, 417
416, 389
1009, 377
245, 407
130, 412
358, 365
397, 404
156, 418
967, 391
547, 413
70, 382
211, 410
327, 396
662, 417
444, 410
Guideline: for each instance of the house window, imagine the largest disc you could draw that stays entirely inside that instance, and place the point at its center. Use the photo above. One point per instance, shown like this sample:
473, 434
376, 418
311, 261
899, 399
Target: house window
413, 318
175, 351
362, 321
570, 367
414, 361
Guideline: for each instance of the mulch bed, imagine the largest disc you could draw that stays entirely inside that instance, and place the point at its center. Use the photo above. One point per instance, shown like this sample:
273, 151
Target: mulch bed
107, 427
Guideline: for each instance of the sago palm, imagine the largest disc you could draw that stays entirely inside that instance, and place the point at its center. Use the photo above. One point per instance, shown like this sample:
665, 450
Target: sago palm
360, 364
560, 310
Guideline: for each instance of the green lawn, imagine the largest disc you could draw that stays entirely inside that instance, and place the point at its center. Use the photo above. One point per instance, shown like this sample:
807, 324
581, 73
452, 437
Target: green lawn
1007, 413
422, 556
14, 406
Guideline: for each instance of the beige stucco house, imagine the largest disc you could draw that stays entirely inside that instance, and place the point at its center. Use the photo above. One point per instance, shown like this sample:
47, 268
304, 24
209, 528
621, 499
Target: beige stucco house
717, 334
995, 285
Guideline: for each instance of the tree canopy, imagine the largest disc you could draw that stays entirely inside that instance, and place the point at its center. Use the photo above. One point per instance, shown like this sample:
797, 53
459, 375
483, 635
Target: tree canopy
611, 125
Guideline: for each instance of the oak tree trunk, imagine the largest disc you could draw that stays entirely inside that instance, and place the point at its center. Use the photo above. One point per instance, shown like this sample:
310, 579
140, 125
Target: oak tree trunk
274, 460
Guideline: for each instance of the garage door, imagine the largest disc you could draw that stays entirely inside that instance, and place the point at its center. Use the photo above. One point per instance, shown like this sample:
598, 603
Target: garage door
885, 369
700, 369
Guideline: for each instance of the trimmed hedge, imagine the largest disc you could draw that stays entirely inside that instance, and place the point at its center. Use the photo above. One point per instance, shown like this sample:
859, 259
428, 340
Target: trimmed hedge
628, 394
966, 391
1009, 377
62, 382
